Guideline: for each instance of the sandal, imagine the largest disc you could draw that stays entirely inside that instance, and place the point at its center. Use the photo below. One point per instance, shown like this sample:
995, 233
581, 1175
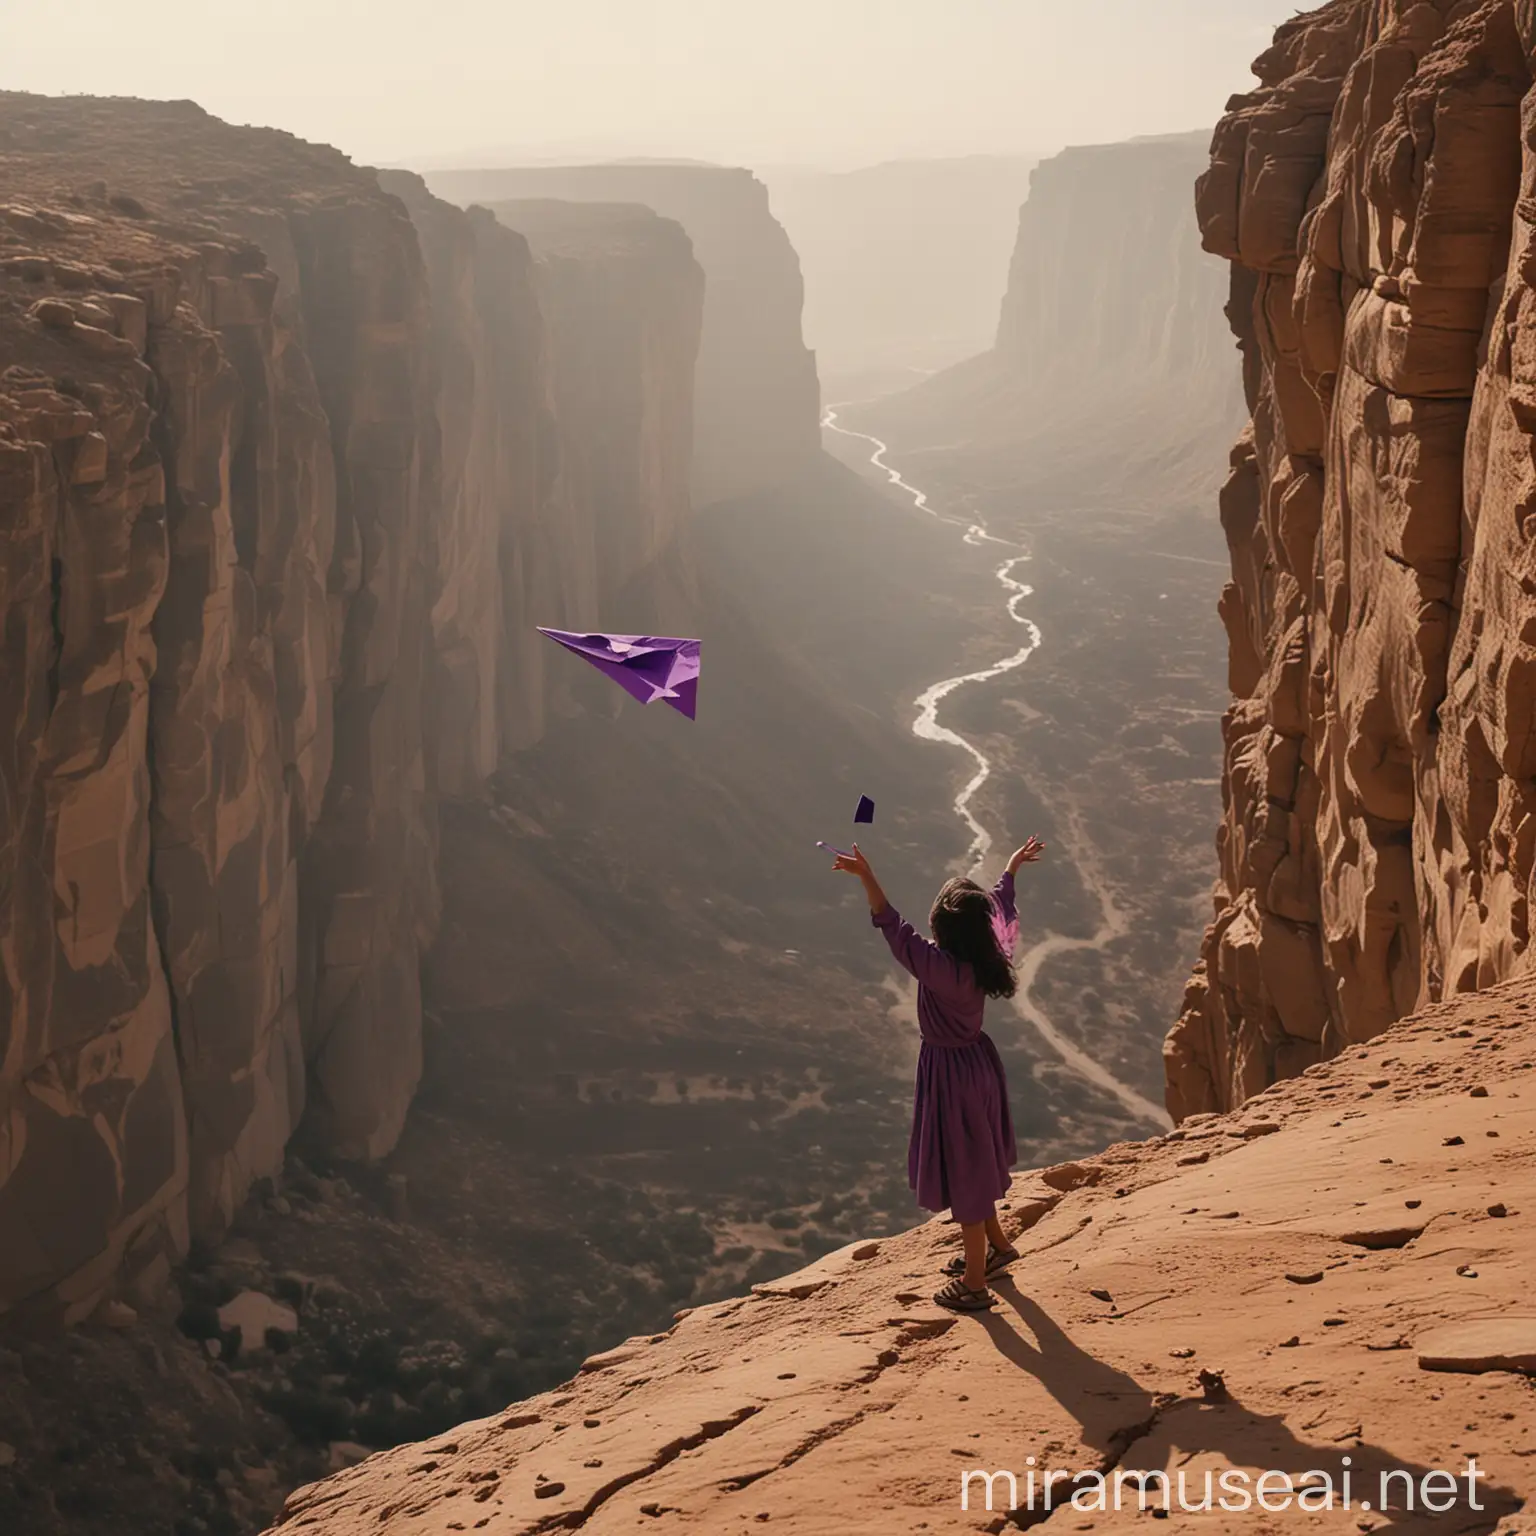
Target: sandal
998, 1260
959, 1297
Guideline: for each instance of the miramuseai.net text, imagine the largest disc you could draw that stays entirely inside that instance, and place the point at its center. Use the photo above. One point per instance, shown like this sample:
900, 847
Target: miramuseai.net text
1230, 1490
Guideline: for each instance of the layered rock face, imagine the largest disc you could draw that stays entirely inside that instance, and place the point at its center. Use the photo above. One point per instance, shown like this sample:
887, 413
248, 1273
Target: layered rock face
1070, 317
757, 421
622, 297
492, 410
1109, 299
565, 347
94, 1139
1375, 198
221, 725
565, 410
277, 495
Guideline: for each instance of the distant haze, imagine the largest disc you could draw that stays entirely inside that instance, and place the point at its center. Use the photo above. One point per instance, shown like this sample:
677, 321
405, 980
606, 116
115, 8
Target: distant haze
905, 262
820, 83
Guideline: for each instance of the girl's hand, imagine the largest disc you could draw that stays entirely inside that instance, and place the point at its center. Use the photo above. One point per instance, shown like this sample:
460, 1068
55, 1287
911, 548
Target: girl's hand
854, 864
1028, 854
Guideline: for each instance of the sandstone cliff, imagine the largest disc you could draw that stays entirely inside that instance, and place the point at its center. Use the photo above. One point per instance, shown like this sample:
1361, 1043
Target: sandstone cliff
1374, 196
758, 409
1109, 376
622, 298
1214, 1299
566, 351
279, 495
498, 465
1072, 316
224, 455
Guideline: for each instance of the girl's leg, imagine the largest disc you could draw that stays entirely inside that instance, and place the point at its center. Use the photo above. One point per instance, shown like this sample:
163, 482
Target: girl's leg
975, 1237
995, 1234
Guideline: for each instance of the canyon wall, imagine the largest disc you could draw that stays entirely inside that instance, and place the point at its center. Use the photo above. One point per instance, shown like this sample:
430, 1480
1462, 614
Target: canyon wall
622, 297
280, 478
1375, 196
1110, 375
1073, 315
566, 349
757, 423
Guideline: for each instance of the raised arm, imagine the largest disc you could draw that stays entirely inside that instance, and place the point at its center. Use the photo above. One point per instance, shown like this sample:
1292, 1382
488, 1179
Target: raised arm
926, 961
1004, 899
1004, 895
934, 969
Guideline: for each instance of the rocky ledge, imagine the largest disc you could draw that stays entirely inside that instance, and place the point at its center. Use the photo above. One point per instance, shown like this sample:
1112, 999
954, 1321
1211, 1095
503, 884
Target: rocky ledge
1338, 1270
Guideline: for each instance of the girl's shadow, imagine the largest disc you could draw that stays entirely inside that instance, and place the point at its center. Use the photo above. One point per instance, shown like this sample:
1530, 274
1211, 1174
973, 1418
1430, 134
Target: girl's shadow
1111, 1408
1134, 1431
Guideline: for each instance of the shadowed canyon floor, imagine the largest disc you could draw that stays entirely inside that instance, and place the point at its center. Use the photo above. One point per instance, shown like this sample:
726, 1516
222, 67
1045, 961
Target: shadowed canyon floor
1347, 1255
1107, 738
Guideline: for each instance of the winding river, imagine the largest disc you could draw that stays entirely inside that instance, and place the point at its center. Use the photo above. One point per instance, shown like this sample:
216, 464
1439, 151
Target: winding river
927, 727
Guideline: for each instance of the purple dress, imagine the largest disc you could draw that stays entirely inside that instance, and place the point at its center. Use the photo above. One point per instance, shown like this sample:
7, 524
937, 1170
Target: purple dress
962, 1132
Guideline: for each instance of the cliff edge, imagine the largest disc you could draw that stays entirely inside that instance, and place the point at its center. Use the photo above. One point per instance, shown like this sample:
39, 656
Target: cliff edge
1334, 1278
1375, 198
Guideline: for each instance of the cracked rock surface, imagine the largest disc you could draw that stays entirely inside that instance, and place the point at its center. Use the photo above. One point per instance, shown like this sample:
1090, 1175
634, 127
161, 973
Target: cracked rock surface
1375, 198
842, 1399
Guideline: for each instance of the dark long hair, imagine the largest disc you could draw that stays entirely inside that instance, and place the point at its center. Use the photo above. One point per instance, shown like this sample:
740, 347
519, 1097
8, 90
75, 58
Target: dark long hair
963, 923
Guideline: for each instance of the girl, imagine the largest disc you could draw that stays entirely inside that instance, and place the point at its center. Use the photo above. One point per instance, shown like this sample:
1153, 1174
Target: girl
962, 1133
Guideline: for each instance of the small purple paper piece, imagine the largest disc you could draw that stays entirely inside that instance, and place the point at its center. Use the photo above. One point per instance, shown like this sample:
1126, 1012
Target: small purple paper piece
647, 667
866, 810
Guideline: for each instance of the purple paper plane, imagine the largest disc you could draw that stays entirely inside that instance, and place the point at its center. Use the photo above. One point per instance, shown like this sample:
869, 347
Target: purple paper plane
866, 810
647, 667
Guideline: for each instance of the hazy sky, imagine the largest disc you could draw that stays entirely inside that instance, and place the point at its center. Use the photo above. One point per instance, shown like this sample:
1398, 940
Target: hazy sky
836, 82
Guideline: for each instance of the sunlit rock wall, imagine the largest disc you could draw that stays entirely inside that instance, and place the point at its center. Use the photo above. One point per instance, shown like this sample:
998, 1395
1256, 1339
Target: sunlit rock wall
1375, 196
